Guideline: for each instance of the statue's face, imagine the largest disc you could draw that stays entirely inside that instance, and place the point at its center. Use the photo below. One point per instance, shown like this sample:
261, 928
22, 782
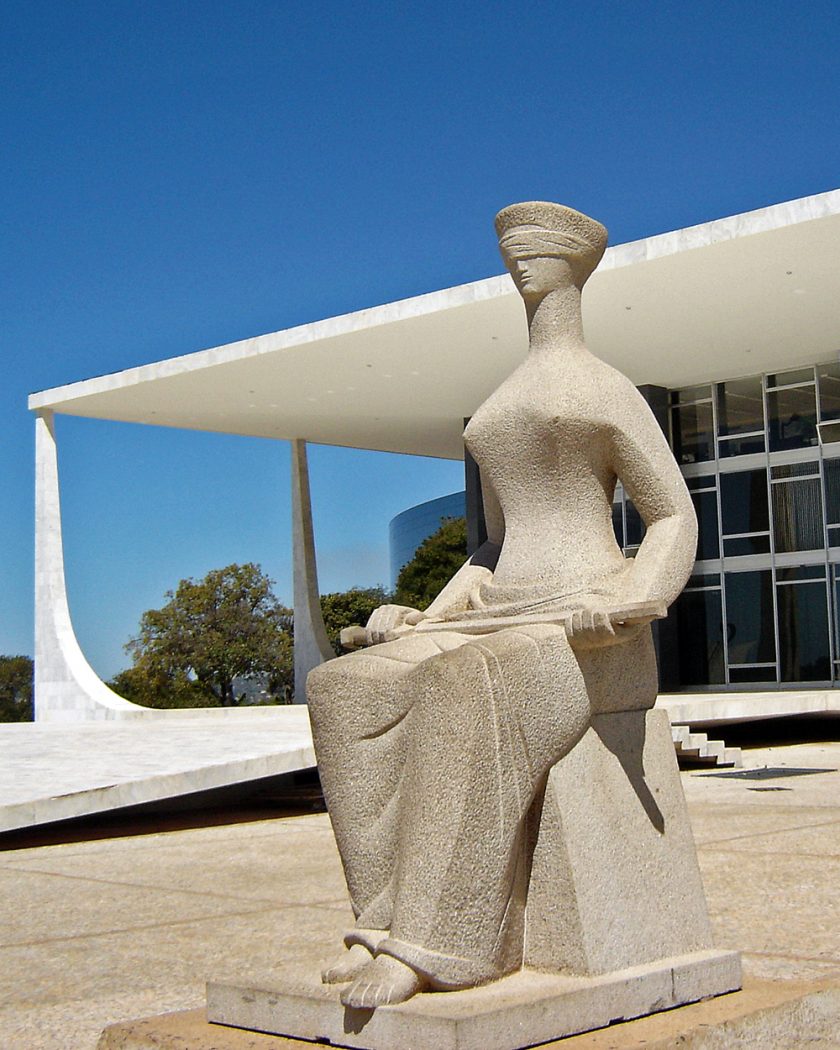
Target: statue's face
536, 276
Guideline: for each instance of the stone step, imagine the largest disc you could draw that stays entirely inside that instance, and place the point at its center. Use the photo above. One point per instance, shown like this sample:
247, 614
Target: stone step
732, 757
697, 748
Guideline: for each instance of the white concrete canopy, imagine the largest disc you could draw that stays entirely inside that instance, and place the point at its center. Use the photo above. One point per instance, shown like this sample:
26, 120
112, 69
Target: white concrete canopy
733, 297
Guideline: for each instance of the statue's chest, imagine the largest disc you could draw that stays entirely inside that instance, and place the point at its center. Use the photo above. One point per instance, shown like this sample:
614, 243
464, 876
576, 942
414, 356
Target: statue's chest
531, 419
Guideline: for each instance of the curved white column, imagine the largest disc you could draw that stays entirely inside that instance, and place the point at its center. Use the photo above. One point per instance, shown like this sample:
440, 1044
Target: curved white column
67, 689
312, 647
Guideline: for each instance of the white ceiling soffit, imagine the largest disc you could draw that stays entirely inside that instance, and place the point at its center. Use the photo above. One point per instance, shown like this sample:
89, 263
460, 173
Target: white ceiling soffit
747, 294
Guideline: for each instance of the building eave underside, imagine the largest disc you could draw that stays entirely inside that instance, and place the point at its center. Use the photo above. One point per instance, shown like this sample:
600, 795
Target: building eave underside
747, 294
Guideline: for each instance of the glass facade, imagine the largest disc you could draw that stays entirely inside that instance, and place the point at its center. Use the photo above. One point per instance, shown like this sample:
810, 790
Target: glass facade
408, 530
761, 458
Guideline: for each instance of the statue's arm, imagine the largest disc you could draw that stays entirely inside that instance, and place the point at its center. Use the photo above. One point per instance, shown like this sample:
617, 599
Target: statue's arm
646, 467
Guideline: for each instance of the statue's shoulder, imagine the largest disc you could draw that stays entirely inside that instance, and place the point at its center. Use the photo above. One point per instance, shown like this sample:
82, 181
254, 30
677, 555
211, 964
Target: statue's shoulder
616, 389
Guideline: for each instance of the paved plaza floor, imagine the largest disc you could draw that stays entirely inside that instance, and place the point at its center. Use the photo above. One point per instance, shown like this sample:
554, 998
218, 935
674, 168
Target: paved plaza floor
101, 930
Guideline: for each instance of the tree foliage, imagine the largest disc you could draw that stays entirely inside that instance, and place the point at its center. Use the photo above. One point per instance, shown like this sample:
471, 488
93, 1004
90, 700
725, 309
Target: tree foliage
346, 608
435, 562
151, 688
16, 675
210, 632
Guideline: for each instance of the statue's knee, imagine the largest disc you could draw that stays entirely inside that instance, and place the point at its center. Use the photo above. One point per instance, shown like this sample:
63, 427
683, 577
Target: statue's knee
325, 685
453, 683
457, 665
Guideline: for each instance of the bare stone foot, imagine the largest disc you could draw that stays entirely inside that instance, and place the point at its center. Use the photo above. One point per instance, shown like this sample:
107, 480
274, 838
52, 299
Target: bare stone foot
383, 981
348, 965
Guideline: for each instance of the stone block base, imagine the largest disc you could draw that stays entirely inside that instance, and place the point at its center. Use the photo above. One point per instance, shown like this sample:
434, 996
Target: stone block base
525, 1009
764, 1014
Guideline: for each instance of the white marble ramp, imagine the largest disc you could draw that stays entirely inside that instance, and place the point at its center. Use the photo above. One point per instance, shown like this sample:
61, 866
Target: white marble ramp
53, 771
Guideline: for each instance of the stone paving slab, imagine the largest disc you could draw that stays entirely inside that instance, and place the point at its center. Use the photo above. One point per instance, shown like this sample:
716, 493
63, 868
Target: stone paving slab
55, 771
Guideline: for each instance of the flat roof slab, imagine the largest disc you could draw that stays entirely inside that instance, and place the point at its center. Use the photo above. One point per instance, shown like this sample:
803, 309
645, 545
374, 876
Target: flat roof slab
746, 294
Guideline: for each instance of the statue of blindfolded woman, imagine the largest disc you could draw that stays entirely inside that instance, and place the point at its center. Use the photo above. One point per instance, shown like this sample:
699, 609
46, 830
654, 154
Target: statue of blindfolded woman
434, 741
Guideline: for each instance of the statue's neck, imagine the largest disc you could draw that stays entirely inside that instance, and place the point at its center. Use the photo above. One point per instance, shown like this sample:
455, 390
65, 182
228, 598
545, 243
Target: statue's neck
555, 323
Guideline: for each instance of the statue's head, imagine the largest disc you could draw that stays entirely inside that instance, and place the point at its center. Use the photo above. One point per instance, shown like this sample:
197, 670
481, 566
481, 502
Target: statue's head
547, 245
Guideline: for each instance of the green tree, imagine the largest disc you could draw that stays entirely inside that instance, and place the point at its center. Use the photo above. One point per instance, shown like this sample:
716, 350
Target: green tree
435, 562
16, 675
212, 631
346, 608
152, 689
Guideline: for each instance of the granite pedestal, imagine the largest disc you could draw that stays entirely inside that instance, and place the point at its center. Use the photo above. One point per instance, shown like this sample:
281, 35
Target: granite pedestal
523, 1010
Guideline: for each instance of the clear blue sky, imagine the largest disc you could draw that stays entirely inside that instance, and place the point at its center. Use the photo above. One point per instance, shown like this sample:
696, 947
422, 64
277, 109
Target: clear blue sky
179, 175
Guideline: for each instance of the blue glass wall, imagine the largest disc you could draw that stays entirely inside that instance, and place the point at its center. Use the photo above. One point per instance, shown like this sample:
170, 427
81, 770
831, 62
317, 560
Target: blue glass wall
408, 530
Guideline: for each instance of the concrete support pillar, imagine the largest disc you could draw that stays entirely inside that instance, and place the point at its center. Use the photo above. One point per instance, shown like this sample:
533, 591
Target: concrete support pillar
67, 689
312, 646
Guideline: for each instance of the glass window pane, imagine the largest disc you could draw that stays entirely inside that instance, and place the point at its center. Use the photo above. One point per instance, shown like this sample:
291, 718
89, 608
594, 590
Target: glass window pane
743, 502
800, 572
803, 633
793, 418
795, 470
829, 432
828, 379
709, 579
618, 525
700, 627
740, 446
797, 516
705, 481
705, 505
740, 406
747, 675
634, 525
750, 629
693, 437
691, 393
836, 590
831, 468
795, 375
746, 545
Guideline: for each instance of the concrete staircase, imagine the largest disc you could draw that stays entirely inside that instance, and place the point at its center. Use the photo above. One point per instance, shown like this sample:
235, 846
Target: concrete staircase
697, 749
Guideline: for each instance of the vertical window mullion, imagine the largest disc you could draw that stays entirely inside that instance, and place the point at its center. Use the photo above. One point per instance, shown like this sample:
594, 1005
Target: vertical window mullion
772, 524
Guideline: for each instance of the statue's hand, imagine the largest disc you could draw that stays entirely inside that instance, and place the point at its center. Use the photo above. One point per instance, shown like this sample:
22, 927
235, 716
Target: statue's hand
388, 618
592, 627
